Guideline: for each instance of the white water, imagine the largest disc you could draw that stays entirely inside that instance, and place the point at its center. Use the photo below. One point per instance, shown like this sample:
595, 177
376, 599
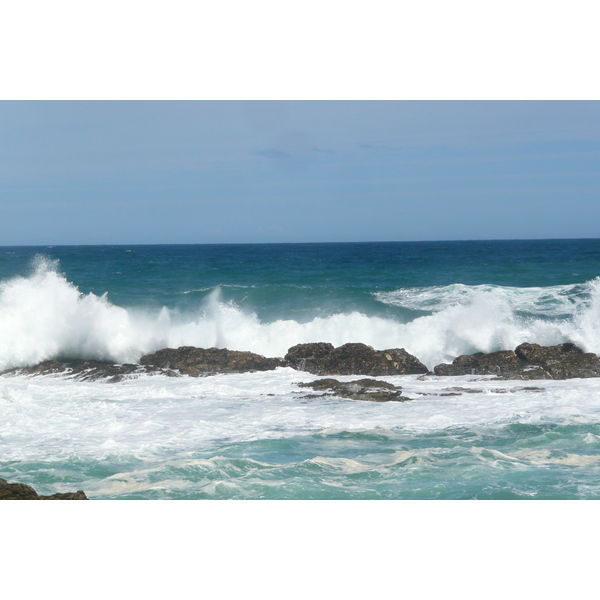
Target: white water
155, 417
44, 316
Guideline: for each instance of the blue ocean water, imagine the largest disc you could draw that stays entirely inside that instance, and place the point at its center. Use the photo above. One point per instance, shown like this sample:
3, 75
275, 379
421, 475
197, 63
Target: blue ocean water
254, 435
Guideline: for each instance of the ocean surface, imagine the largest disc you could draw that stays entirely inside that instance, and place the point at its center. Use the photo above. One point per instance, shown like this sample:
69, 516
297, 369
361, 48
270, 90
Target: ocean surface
253, 435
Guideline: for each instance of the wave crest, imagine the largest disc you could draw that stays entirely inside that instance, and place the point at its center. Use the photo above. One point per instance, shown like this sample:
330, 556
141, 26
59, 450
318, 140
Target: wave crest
44, 316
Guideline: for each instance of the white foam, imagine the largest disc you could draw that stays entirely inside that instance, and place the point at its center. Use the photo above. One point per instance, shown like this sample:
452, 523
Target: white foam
552, 301
146, 420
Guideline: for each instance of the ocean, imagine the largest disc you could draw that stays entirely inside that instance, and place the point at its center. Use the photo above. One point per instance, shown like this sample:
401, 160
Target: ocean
254, 435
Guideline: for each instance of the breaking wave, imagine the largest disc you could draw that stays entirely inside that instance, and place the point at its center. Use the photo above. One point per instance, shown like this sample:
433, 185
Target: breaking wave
44, 316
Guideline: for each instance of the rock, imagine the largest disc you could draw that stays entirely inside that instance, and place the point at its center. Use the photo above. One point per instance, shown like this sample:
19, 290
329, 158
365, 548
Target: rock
352, 359
307, 357
86, 370
200, 361
503, 363
21, 491
372, 390
565, 361
528, 361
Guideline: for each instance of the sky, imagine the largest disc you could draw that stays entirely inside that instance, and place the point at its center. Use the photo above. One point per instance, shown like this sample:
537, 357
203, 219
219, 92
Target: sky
160, 172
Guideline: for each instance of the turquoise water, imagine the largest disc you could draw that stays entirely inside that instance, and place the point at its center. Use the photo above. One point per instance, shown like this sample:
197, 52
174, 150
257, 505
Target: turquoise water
253, 436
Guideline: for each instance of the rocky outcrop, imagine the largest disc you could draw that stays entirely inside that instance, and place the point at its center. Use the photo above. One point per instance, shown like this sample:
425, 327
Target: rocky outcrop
21, 491
87, 370
352, 359
528, 361
565, 361
362, 389
208, 361
495, 363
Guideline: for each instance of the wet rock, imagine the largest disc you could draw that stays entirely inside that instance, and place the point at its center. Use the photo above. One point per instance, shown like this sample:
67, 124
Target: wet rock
353, 359
192, 361
86, 370
564, 361
371, 390
21, 491
308, 357
528, 361
503, 363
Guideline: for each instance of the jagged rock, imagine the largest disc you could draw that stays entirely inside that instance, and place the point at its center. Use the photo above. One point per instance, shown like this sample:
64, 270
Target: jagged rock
86, 370
528, 361
564, 361
372, 390
21, 491
307, 357
352, 359
189, 360
503, 363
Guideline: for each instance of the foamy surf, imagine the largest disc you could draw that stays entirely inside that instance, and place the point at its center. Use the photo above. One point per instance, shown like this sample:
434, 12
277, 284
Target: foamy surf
45, 316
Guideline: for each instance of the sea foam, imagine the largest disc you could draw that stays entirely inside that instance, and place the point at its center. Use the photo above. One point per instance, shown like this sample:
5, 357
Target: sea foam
44, 316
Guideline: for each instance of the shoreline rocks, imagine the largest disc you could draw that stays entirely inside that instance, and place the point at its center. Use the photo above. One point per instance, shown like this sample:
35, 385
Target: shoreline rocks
353, 359
22, 491
195, 362
528, 361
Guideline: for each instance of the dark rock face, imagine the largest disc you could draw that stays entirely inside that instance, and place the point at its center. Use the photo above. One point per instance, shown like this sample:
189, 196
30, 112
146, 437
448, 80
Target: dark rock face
85, 370
200, 361
565, 361
495, 363
361, 389
308, 357
21, 491
353, 359
528, 361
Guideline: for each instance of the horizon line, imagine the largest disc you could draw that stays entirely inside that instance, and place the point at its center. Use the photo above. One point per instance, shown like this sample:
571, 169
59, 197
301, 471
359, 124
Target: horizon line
299, 243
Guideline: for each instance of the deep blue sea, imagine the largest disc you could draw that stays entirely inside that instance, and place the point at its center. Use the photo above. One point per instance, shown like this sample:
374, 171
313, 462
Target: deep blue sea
253, 435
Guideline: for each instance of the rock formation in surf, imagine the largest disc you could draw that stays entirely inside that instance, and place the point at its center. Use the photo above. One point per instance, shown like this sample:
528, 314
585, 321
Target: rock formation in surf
528, 361
207, 361
87, 370
371, 390
21, 491
353, 359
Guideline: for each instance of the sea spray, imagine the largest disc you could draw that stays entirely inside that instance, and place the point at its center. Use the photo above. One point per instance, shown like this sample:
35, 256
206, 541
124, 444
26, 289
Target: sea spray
45, 316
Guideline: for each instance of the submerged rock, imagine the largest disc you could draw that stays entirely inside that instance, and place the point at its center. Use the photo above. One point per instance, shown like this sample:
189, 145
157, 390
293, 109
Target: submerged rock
189, 360
372, 390
21, 491
86, 370
353, 359
528, 361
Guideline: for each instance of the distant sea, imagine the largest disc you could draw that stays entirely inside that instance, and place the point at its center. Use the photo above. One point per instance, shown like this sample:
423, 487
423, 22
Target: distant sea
252, 435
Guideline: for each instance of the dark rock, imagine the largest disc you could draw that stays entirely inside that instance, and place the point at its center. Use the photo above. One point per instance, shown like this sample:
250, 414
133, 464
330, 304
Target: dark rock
21, 491
206, 361
307, 357
565, 361
528, 361
353, 359
496, 363
86, 370
372, 390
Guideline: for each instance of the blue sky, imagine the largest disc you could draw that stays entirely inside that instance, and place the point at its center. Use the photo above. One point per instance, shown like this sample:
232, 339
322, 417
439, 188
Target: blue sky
136, 172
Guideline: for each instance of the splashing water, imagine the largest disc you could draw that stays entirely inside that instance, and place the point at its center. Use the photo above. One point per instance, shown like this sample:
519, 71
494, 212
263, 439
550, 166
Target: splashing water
44, 316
